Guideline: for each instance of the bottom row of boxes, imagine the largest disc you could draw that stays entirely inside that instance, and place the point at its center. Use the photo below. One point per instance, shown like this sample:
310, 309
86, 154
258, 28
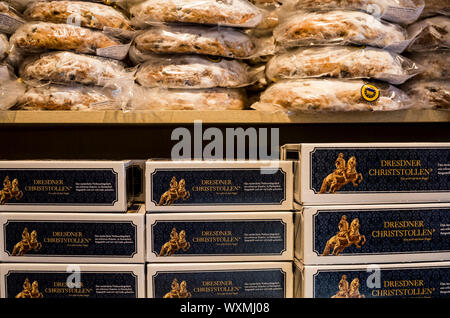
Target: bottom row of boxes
227, 280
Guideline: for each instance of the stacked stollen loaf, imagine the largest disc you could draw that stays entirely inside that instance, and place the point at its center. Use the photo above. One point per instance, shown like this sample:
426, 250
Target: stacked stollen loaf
340, 56
431, 48
68, 53
189, 53
10, 87
262, 35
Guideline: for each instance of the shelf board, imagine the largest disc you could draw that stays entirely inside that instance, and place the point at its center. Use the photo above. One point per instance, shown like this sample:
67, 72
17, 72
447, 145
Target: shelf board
211, 117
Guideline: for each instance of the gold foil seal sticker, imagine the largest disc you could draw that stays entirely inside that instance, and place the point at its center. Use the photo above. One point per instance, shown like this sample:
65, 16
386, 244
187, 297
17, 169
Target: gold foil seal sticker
215, 59
370, 92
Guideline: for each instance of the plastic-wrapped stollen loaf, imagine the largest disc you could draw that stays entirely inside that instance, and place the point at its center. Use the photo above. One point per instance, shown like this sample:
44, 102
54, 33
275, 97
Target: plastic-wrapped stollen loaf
4, 45
10, 88
40, 36
215, 41
192, 71
434, 7
67, 68
187, 99
433, 94
339, 28
430, 34
10, 20
341, 62
436, 64
237, 13
397, 11
85, 14
56, 97
331, 95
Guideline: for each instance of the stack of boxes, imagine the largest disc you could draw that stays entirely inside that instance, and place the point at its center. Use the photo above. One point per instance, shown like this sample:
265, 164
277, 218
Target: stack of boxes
66, 231
219, 229
373, 220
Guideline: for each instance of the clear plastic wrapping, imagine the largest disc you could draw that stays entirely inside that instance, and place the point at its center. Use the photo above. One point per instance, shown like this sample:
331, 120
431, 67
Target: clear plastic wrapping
397, 11
10, 19
430, 34
330, 95
339, 28
342, 62
436, 64
236, 13
216, 41
85, 14
57, 97
435, 7
434, 94
4, 45
38, 37
192, 71
71, 68
187, 99
10, 88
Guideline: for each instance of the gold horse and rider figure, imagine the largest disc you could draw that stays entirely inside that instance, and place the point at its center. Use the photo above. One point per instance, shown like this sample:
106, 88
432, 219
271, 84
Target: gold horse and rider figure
177, 242
177, 190
178, 290
344, 174
346, 237
10, 191
28, 243
30, 290
347, 290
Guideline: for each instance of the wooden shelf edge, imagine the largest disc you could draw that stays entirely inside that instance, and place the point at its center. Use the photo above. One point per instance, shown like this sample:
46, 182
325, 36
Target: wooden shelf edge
216, 117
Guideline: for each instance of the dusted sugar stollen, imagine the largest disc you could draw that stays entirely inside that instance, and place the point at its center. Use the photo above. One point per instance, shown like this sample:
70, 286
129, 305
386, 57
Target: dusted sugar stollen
226, 42
436, 65
431, 94
430, 34
238, 13
397, 11
192, 71
339, 28
57, 97
86, 14
187, 99
4, 45
341, 62
434, 7
329, 95
67, 67
41, 36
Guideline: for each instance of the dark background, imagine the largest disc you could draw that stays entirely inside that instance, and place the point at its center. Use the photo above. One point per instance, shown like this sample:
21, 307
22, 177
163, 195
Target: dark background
143, 141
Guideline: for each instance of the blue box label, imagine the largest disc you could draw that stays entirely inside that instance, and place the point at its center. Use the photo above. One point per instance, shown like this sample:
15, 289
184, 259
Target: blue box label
380, 170
263, 283
59, 186
70, 238
218, 238
218, 186
53, 284
423, 282
381, 231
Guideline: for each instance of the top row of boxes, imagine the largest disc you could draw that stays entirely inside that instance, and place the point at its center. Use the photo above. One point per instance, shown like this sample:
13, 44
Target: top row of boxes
317, 174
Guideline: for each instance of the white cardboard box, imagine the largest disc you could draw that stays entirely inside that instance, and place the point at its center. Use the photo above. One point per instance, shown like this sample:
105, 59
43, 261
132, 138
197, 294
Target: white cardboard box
364, 234
73, 237
72, 281
375, 173
401, 280
220, 237
56, 185
174, 186
223, 280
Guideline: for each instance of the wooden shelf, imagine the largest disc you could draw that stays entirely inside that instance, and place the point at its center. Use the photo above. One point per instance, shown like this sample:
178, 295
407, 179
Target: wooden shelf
235, 117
